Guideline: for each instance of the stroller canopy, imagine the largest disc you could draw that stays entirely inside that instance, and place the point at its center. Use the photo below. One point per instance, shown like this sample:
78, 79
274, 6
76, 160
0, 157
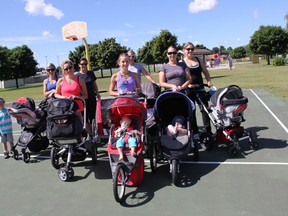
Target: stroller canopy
228, 96
170, 104
127, 105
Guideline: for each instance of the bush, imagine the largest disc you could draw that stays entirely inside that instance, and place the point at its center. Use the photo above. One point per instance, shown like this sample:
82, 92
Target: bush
279, 61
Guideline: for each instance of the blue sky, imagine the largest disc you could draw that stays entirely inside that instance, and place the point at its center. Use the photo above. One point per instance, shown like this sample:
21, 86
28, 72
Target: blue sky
38, 23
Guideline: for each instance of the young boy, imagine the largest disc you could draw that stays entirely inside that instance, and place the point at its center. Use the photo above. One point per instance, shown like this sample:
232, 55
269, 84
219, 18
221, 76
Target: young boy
126, 134
6, 134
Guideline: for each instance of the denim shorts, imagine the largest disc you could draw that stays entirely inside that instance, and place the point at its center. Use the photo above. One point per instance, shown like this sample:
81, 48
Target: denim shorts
4, 138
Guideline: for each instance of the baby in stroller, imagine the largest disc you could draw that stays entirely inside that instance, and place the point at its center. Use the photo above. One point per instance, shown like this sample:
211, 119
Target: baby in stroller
33, 121
177, 127
126, 143
126, 135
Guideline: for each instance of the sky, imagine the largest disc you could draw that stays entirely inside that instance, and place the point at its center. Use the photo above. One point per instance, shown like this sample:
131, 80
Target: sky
38, 23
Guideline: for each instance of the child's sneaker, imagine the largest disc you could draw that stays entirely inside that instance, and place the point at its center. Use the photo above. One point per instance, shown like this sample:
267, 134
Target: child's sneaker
6, 155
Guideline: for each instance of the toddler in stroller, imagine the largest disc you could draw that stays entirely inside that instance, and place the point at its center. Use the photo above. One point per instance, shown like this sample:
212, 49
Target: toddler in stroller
33, 122
226, 112
65, 128
173, 144
127, 163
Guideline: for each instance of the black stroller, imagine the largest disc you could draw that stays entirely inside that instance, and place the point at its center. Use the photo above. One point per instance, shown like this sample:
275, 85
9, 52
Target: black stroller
33, 123
226, 112
173, 148
66, 130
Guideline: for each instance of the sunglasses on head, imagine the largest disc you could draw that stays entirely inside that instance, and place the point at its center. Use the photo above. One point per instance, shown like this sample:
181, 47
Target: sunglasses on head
190, 49
68, 68
50, 69
170, 53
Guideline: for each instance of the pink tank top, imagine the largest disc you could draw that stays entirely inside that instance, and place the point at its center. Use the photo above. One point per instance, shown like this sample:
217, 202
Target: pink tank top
72, 89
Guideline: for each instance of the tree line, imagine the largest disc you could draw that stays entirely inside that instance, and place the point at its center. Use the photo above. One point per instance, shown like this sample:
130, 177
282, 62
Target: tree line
20, 63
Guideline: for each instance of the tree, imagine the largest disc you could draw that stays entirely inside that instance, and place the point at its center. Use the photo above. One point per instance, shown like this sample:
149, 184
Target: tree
238, 52
22, 63
160, 45
269, 40
5, 66
144, 55
108, 53
76, 55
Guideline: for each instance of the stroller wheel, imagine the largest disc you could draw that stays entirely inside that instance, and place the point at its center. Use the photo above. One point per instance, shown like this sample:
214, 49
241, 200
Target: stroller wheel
253, 141
233, 151
15, 154
94, 153
119, 183
174, 171
26, 157
65, 173
153, 157
54, 157
206, 141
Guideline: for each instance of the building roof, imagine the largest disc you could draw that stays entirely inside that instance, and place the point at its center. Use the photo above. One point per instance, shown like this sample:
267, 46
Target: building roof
202, 52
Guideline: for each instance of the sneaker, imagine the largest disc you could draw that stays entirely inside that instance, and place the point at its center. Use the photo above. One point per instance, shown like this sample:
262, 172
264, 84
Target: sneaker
6, 155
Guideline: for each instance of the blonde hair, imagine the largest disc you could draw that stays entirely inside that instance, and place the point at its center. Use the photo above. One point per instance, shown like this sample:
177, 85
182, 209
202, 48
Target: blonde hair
188, 44
49, 65
67, 61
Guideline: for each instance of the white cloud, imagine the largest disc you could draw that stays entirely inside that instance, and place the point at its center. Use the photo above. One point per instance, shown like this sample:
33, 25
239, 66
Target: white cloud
128, 25
47, 34
201, 5
39, 7
125, 40
256, 14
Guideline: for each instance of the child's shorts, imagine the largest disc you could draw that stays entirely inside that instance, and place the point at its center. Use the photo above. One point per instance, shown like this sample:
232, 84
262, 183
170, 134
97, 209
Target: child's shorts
4, 138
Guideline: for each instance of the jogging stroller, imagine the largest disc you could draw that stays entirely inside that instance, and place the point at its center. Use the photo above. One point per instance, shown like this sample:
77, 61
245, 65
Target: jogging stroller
226, 112
130, 170
33, 123
65, 129
173, 148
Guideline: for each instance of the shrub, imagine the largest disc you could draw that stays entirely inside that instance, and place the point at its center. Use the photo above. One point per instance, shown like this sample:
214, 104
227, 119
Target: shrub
279, 61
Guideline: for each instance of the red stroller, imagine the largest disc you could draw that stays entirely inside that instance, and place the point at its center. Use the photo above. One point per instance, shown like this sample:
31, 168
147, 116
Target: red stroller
130, 170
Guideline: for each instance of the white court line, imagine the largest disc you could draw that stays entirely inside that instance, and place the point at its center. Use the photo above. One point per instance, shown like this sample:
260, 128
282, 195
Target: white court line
188, 162
277, 119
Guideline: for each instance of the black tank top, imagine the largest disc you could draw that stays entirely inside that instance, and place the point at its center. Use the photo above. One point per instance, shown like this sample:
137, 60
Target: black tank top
195, 72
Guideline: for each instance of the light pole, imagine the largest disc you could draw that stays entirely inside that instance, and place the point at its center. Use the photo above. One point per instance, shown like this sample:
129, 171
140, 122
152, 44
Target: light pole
46, 60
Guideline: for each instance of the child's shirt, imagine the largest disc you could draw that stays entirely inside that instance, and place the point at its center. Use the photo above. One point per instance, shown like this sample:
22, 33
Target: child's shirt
5, 122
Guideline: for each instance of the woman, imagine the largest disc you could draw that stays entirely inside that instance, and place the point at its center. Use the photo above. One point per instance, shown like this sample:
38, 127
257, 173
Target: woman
196, 68
138, 68
92, 90
49, 84
70, 85
126, 81
172, 75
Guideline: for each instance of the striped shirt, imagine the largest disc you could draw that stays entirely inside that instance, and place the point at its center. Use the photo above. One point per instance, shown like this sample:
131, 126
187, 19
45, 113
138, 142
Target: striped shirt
5, 122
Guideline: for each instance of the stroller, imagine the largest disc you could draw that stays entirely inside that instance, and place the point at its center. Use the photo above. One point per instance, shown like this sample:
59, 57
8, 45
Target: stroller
130, 170
66, 130
173, 148
226, 111
33, 123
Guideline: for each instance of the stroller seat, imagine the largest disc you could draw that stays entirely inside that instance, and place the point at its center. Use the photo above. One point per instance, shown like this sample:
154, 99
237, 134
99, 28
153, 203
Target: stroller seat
174, 143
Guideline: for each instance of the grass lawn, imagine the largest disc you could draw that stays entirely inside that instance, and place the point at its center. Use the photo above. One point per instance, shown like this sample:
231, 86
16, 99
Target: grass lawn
268, 77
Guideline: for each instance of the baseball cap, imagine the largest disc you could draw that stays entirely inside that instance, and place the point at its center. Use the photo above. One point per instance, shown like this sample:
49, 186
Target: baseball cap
2, 99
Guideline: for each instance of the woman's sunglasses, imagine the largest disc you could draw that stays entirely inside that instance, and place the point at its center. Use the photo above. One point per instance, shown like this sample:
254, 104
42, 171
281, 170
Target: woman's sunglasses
170, 53
50, 69
68, 68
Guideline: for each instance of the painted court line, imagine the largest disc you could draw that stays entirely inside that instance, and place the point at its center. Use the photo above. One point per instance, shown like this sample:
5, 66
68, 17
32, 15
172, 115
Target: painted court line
275, 117
189, 162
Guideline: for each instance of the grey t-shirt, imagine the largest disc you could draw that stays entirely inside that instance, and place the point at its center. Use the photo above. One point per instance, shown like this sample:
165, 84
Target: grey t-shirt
136, 68
175, 75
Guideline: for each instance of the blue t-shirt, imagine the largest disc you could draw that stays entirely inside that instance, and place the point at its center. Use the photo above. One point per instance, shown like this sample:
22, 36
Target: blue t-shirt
5, 122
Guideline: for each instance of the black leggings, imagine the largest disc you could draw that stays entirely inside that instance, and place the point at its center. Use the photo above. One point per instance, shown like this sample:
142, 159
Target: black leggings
205, 117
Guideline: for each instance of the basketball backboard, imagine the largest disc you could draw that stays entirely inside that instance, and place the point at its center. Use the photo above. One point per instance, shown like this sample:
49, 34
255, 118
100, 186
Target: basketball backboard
74, 30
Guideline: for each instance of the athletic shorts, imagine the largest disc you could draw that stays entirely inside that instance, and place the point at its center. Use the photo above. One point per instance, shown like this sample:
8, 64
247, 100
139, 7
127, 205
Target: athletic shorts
4, 138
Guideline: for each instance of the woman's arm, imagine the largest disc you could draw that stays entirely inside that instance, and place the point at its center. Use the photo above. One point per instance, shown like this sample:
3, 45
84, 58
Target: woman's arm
206, 73
163, 82
188, 79
148, 76
138, 85
113, 82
